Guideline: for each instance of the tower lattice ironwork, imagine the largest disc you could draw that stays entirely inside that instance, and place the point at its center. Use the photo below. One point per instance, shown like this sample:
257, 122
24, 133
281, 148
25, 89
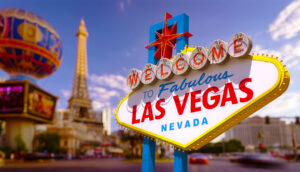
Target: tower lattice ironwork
80, 104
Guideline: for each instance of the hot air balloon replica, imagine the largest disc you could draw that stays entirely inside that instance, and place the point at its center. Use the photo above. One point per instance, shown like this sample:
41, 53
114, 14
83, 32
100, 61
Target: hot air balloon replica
30, 49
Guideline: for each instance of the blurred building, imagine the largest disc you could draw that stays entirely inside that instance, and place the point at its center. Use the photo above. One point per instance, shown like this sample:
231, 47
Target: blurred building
295, 133
106, 119
254, 130
30, 49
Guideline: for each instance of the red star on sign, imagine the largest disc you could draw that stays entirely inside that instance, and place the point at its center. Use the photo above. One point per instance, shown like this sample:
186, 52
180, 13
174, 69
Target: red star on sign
167, 39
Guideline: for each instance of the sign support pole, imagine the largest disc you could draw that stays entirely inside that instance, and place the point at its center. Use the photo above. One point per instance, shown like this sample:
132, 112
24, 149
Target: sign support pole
180, 161
148, 159
180, 158
148, 155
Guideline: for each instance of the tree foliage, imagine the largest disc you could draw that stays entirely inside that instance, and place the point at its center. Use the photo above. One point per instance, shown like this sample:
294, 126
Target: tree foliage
234, 145
48, 142
7, 151
133, 140
21, 146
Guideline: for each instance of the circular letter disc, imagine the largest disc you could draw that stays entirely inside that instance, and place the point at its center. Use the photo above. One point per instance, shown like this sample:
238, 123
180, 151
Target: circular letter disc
134, 79
239, 45
164, 69
148, 74
218, 52
180, 65
198, 58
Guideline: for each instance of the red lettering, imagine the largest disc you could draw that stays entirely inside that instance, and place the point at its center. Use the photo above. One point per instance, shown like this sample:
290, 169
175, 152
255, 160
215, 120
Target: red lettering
177, 66
133, 78
160, 109
147, 74
180, 107
162, 70
215, 98
214, 52
134, 120
246, 90
200, 62
228, 89
195, 100
236, 46
148, 108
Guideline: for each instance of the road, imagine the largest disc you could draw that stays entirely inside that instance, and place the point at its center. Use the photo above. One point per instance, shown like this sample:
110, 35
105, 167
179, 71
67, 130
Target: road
116, 165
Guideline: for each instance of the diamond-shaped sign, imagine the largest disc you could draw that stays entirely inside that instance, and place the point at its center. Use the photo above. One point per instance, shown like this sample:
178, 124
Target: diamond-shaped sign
190, 110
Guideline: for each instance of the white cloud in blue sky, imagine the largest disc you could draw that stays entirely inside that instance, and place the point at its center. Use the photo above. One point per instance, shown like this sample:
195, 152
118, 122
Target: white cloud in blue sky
66, 93
288, 103
123, 5
111, 80
106, 89
287, 24
289, 53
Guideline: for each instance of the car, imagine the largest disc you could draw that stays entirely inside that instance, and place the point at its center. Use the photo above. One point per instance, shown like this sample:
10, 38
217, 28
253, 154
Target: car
235, 157
256, 159
36, 156
198, 158
209, 156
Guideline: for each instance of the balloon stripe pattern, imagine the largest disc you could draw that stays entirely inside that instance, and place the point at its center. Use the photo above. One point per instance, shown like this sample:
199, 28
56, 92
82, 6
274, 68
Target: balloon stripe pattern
28, 44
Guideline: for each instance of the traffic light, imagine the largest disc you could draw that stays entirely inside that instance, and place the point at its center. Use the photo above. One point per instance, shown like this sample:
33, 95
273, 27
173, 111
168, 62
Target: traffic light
267, 120
297, 120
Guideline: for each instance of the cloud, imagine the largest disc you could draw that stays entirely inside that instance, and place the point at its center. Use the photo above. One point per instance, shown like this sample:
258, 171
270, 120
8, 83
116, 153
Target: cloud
260, 49
102, 97
102, 93
111, 80
106, 90
122, 6
66, 93
290, 54
286, 105
287, 23
98, 105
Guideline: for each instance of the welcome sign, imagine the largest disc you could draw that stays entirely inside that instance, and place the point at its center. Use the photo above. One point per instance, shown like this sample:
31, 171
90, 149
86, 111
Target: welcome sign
200, 93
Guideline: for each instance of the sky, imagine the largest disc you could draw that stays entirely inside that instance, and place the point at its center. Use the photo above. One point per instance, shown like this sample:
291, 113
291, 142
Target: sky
119, 30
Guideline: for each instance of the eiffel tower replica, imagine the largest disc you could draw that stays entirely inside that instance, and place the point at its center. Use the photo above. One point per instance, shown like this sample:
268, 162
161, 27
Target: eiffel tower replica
80, 127
80, 104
